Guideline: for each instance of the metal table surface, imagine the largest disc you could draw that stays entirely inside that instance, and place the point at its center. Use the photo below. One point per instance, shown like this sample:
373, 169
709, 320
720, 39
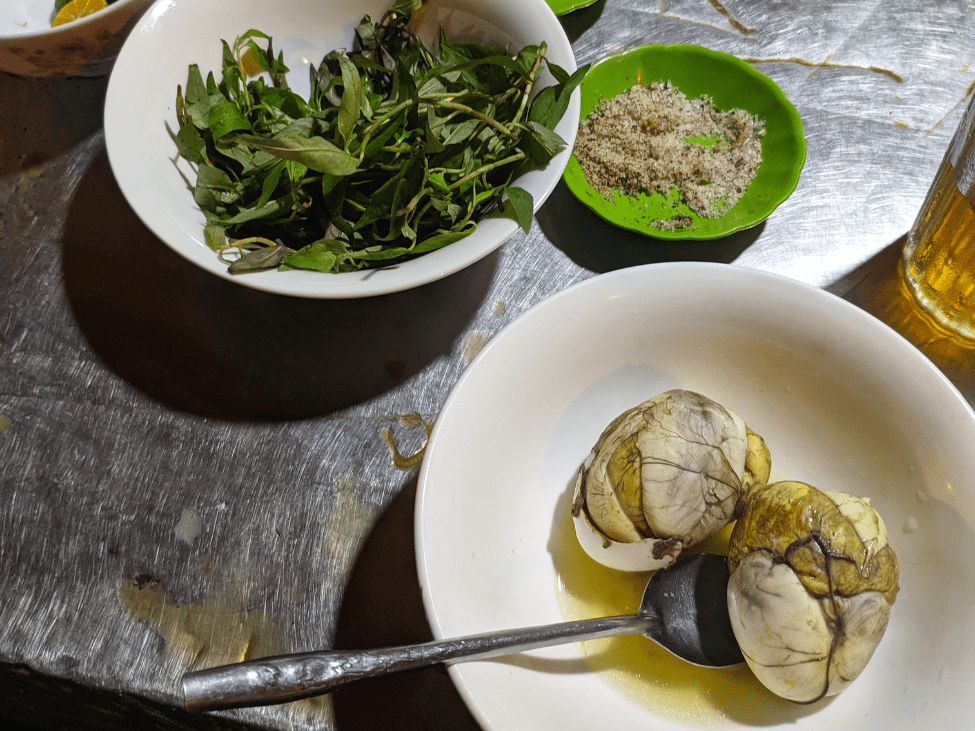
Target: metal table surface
193, 471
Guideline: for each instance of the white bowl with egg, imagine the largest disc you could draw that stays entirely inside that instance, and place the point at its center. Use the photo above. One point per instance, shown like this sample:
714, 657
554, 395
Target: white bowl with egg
140, 112
29, 46
843, 403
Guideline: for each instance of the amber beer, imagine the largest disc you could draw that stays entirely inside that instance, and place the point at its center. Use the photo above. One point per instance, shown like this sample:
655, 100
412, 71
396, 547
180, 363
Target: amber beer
939, 258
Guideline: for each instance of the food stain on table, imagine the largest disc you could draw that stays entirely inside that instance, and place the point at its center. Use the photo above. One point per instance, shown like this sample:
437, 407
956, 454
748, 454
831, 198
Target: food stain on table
824, 64
662, 7
474, 341
189, 526
961, 102
28, 176
735, 23
213, 631
406, 461
342, 534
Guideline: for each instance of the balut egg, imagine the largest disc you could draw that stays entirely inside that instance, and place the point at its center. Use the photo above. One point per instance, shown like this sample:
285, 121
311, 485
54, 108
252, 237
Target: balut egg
813, 579
662, 477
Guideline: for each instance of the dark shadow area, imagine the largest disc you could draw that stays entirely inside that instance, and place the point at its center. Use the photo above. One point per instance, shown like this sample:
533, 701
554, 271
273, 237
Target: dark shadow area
48, 131
383, 608
866, 284
599, 246
43, 118
201, 344
878, 287
36, 702
577, 22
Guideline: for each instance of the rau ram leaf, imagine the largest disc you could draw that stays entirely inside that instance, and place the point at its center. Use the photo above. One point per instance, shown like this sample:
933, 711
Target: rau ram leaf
225, 118
316, 153
520, 202
352, 102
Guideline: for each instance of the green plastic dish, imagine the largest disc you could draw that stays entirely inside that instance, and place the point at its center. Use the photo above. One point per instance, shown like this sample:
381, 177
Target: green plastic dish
561, 7
732, 84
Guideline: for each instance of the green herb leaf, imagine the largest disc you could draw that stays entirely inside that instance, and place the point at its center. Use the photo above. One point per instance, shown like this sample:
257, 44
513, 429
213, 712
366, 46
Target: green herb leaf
317, 153
191, 144
546, 143
215, 237
549, 106
520, 203
353, 99
214, 188
224, 118
196, 88
265, 257
406, 7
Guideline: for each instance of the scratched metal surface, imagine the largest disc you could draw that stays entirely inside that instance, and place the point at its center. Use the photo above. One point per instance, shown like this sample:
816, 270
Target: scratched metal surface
192, 472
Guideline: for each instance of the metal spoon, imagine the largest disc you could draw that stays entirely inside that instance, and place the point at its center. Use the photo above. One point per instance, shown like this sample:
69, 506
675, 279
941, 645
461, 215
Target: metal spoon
684, 609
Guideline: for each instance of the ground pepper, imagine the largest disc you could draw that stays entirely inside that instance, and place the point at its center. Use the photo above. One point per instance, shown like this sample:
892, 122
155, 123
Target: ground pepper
654, 139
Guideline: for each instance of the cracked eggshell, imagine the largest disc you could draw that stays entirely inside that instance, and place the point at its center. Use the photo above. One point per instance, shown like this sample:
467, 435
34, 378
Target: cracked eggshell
662, 477
812, 583
641, 554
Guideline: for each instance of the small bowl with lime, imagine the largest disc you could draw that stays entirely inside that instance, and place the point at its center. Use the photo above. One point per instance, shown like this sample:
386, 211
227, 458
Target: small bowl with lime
64, 37
683, 142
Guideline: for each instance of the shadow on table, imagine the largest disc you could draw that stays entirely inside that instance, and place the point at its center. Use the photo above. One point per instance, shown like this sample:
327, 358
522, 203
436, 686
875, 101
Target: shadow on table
383, 608
878, 287
593, 243
44, 118
36, 701
576, 22
49, 129
201, 344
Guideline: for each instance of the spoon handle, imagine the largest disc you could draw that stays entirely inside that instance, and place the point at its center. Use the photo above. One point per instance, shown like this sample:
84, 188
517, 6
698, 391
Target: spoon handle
283, 678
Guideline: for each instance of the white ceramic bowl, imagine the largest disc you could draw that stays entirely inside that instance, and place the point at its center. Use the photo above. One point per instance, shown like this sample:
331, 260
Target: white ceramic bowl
843, 403
29, 46
140, 112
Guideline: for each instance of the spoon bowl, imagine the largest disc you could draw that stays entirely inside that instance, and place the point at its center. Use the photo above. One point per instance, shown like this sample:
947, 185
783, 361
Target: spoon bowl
684, 609
688, 608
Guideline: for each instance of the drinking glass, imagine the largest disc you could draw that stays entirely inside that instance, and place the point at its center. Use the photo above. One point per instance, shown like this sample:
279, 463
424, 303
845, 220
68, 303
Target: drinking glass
939, 257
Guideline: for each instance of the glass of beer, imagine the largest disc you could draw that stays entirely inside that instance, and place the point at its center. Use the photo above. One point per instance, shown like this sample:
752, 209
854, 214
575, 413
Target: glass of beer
939, 257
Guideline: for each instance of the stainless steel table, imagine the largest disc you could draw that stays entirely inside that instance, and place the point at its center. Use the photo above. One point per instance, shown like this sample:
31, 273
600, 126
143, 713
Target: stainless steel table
195, 472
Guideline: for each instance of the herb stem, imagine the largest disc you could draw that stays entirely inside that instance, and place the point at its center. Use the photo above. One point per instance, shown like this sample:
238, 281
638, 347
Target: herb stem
241, 245
520, 155
503, 129
379, 122
532, 74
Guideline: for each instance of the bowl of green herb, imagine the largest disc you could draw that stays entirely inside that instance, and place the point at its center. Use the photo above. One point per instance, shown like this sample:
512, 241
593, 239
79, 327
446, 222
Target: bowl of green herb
64, 37
341, 150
